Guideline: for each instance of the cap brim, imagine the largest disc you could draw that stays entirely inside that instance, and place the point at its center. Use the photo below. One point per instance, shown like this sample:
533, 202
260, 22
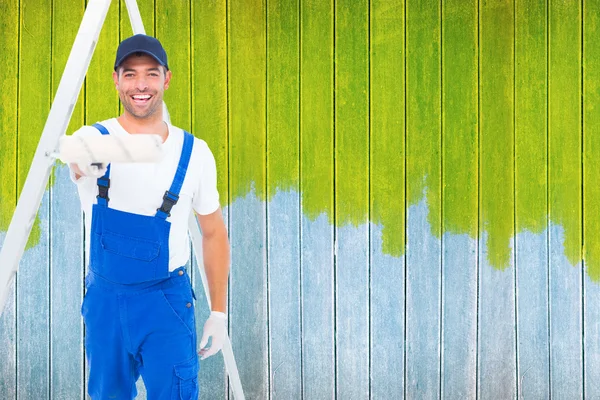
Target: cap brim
120, 61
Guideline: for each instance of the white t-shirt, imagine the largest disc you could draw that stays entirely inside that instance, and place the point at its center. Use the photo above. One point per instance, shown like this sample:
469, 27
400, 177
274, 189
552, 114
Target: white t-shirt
138, 188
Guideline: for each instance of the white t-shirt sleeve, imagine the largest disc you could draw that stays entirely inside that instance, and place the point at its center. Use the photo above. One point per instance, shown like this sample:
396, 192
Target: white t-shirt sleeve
83, 131
206, 198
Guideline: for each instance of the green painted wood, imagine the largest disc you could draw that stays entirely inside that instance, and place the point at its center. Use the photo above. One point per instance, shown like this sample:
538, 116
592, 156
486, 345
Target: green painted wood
247, 124
33, 355
147, 9
565, 199
317, 186
591, 196
459, 197
173, 29
352, 128
531, 157
423, 252
496, 327
9, 50
66, 233
283, 209
101, 97
209, 122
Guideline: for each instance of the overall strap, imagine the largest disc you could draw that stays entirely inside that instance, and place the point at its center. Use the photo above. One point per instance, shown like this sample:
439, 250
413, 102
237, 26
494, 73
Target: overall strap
172, 195
104, 181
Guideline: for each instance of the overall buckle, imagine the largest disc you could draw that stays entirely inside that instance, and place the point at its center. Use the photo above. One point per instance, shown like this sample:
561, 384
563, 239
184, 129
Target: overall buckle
169, 200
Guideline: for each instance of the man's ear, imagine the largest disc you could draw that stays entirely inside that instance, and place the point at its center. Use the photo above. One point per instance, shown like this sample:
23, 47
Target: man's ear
168, 76
116, 79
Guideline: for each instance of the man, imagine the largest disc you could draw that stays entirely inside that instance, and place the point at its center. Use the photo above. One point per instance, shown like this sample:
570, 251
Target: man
138, 308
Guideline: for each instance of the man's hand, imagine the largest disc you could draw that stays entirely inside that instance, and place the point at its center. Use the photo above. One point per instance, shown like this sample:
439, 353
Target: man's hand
93, 170
215, 327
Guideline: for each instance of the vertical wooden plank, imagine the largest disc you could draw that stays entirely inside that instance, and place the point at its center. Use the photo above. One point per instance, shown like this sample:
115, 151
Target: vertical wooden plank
387, 198
247, 98
283, 230
565, 199
209, 122
496, 328
591, 193
101, 97
173, 30
66, 233
531, 246
459, 198
423, 140
316, 177
9, 53
352, 198
32, 283
148, 18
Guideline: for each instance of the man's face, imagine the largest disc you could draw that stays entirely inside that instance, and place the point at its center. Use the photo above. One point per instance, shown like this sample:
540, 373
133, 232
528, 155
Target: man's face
141, 82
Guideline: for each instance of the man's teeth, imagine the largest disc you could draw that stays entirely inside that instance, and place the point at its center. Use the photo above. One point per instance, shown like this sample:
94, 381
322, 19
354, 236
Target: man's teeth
141, 97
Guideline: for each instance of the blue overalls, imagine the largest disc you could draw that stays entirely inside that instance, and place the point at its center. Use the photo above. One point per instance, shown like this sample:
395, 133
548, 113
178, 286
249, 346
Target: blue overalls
139, 317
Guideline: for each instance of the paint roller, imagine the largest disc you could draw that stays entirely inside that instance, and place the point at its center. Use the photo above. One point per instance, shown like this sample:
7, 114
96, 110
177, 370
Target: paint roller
104, 149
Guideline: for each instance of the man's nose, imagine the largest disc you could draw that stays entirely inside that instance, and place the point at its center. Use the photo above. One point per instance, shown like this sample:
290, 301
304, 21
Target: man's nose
141, 84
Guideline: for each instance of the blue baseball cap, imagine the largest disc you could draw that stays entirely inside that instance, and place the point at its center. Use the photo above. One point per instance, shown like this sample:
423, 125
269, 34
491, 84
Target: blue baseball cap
141, 44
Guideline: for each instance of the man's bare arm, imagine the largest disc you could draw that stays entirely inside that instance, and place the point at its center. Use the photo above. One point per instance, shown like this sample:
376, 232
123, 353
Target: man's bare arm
215, 247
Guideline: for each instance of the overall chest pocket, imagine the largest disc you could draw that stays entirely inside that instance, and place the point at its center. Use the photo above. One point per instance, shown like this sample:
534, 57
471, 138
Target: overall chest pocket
130, 247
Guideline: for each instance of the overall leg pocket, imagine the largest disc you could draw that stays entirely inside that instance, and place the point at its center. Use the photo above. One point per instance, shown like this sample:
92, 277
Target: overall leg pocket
186, 380
181, 305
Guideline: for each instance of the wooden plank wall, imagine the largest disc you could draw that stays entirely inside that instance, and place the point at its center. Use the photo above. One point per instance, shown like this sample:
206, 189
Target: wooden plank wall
410, 189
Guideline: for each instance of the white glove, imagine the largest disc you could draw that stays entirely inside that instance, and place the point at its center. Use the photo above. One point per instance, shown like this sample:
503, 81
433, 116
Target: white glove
92, 170
215, 326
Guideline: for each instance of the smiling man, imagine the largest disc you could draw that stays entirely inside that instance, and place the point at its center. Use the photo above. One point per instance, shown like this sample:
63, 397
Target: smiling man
139, 304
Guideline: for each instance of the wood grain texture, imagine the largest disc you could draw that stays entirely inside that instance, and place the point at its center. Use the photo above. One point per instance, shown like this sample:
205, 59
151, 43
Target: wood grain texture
33, 353
565, 199
66, 233
591, 197
531, 205
387, 199
459, 199
496, 314
316, 182
9, 53
283, 206
423, 253
247, 85
173, 29
352, 198
209, 122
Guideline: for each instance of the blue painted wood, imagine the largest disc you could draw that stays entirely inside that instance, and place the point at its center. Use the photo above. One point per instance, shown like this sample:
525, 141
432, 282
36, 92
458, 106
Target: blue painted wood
66, 289
459, 316
533, 363
8, 340
317, 280
423, 301
496, 329
387, 321
284, 296
352, 313
33, 348
248, 303
591, 335
212, 377
566, 358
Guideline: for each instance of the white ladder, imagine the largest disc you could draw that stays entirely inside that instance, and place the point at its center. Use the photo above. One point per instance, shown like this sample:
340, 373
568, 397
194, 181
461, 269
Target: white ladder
43, 160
